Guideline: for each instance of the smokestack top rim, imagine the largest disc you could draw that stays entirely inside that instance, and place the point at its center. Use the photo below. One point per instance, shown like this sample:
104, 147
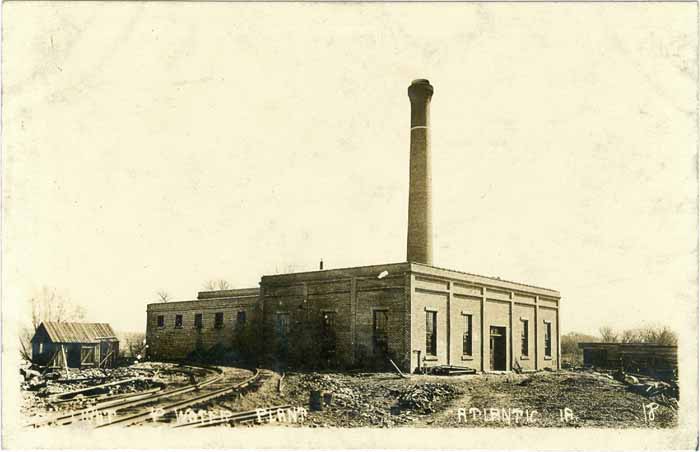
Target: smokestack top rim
420, 90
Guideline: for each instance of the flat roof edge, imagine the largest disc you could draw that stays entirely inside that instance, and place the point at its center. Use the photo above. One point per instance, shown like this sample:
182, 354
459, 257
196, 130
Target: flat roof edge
201, 300
489, 280
325, 270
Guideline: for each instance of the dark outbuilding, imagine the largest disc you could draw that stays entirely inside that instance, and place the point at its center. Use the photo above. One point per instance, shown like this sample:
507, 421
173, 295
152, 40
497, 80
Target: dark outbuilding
636, 357
75, 345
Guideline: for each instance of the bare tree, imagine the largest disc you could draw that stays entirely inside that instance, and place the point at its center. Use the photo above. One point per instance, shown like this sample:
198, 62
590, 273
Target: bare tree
217, 284
607, 334
630, 336
659, 335
133, 344
48, 305
163, 296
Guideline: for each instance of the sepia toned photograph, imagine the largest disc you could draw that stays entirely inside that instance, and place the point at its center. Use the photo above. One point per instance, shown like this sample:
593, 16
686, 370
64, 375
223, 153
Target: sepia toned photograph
368, 225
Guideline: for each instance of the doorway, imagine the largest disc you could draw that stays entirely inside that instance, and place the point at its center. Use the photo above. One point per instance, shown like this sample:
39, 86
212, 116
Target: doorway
498, 348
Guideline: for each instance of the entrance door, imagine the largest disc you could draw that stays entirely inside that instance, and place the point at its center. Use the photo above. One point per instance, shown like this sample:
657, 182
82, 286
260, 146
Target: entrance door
328, 338
87, 355
498, 348
73, 355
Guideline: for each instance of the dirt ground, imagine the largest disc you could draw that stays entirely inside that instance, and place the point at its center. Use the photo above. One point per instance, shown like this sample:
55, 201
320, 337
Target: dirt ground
543, 399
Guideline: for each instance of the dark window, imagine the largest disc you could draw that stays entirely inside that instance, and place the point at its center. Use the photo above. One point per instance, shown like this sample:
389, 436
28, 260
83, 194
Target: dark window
380, 331
198, 321
282, 324
328, 335
240, 319
161, 321
548, 339
328, 325
467, 336
431, 333
178, 320
219, 320
524, 338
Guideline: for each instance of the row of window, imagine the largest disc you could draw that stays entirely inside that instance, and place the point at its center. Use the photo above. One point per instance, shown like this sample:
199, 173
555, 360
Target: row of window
525, 338
380, 329
467, 336
380, 322
431, 334
199, 320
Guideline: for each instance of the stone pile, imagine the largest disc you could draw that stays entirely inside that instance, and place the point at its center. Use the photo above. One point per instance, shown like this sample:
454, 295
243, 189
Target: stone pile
423, 398
355, 401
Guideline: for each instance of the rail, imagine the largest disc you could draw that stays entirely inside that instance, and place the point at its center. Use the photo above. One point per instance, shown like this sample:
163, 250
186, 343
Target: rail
129, 401
144, 415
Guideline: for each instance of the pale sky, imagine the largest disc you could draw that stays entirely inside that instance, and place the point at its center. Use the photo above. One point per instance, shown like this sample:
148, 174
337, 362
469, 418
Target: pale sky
153, 146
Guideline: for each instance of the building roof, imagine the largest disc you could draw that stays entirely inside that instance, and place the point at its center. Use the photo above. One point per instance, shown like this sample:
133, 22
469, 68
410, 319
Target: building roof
623, 344
75, 332
288, 278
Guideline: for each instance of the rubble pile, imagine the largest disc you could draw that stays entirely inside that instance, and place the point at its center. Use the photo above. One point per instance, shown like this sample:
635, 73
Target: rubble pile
361, 400
423, 398
662, 392
49, 389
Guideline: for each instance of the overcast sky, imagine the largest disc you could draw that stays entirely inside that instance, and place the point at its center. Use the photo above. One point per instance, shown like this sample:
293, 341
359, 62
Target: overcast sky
154, 146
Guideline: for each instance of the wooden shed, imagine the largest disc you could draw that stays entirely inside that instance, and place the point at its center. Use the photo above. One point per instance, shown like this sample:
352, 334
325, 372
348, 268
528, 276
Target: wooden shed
633, 356
75, 345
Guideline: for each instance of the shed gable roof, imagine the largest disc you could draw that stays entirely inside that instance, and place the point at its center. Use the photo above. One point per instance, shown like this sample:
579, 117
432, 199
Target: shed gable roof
75, 331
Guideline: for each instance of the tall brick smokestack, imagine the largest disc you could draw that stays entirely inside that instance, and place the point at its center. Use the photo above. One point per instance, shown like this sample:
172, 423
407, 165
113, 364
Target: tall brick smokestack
420, 222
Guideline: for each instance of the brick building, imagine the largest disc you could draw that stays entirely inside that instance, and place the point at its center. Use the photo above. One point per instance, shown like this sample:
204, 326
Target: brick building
415, 313
176, 330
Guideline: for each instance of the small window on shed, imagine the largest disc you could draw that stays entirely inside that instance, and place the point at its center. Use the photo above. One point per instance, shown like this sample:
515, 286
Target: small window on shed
219, 320
178, 320
161, 321
198, 321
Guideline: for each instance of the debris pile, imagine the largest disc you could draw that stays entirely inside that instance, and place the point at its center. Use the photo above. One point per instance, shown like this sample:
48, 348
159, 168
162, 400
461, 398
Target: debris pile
49, 389
376, 399
424, 398
662, 392
452, 370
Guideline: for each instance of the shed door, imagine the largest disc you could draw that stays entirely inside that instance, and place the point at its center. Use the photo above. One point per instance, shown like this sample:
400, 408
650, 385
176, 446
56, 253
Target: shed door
87, 355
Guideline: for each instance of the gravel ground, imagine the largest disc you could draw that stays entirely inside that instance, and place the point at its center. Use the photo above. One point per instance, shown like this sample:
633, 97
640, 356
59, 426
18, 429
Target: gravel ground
542, 399
385, 400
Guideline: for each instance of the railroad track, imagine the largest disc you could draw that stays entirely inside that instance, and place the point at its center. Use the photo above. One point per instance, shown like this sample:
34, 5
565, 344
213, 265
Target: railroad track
118, 408
131, 414
242, 417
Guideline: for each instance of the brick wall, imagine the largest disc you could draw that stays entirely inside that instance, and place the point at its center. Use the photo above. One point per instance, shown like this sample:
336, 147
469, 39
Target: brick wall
503, 304
171, 343
405, 291
424, 301
547, 314
460, 305
520, 313
352, 295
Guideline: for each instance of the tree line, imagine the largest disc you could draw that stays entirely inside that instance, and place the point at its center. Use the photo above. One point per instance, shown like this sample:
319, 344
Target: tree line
659, 335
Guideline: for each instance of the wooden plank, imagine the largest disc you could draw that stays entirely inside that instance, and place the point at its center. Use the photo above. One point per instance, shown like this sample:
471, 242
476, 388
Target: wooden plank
65, 358
90, 388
